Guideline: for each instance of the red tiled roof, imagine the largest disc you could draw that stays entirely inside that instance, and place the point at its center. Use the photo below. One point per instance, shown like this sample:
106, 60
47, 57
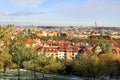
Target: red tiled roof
29, 41
117, 49
75, 47
51, 48
38, 47
115, 44
68, 49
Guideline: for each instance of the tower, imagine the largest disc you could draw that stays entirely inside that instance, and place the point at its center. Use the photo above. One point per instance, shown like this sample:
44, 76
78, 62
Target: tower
95, 24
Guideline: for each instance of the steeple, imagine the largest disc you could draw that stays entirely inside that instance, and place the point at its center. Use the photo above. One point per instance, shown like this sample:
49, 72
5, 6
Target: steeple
95, 24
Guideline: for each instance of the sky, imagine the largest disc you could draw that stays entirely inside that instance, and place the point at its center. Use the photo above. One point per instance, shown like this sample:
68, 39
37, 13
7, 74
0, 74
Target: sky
60, 12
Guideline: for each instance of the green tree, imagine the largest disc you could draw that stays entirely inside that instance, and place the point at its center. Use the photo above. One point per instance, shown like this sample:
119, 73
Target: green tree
89, 66
106, 48
4, 50
5, 58
18, 52
43, 61
30, 62
54, 66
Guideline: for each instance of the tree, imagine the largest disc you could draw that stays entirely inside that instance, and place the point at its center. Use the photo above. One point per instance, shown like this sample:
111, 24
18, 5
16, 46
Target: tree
54, 66
18, 52
39, 63
43, 61
5, 58
30, 62
117, 68
4, 34
89, 66
106, 48
109, 64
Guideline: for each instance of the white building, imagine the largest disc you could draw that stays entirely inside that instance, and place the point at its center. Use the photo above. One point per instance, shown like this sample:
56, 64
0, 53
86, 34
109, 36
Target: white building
61, 55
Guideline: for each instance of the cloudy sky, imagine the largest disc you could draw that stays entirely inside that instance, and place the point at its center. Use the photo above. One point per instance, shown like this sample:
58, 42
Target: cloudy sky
60, 12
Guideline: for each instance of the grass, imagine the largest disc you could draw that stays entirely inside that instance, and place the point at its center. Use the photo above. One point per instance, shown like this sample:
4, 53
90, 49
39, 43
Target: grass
11, 74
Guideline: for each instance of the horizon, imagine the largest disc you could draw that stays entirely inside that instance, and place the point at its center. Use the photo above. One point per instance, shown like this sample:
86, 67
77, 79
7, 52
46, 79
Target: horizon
60, 12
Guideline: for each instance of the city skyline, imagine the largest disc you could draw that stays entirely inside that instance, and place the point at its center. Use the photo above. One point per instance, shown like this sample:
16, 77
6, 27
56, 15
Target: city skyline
60, 12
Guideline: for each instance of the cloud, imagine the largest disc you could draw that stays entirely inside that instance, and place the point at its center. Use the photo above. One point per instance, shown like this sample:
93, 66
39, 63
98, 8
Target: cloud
91, 9
19, 13
58, 1
26, 3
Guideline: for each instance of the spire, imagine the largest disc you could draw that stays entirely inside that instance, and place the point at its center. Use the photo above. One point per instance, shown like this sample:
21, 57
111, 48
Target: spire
95, 24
